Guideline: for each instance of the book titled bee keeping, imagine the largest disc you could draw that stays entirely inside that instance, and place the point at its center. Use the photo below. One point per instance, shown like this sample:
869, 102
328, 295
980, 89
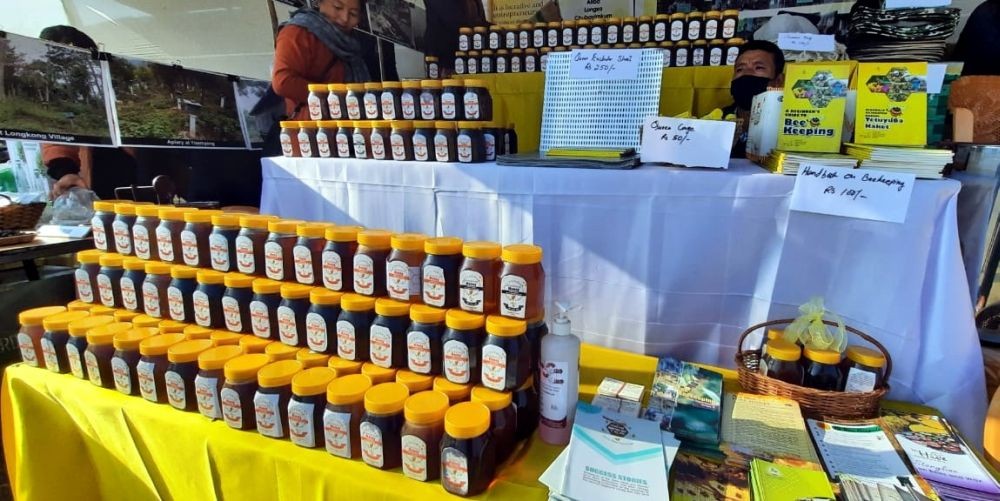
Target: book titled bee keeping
812, 113
892, 104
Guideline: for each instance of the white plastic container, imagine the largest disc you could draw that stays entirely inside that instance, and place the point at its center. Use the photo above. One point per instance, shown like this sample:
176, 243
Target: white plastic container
560, 381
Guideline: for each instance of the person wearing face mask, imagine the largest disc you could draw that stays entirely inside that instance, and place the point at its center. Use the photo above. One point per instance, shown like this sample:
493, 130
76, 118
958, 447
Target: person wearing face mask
316, 46
760, 65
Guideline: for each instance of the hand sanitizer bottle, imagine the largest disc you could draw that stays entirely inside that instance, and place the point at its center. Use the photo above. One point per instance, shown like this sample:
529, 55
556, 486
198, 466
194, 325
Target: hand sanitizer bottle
560, 380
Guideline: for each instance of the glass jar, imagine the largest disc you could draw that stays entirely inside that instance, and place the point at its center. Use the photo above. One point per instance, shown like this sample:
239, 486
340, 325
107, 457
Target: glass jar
274, 391
253, 344
495, 37
391, 100
335, 101
126, 358
307, 406
526, 404
699, 50
355, 101
109, 279
661, 28
403, 266
413, 381
387, 339
421, 435
440, 271
464, 38
522, 282
168, 234
76, 344
130, 283
206, 301
863, 370
461, 346
121, 227
361, 137
430, 99
307, 139
477, 102
423, 135
644, 29
289, 138
236, 302
154, 289
292, 314
354, 326
321, 319
409, 100
568, 30
382, 424
478, 277
730, 22
344, 367
29, 337
53, 340
180, 293
345, 139
524, 36
732, 49
472, 62
153, 365
343, 414
222, 242
237, 394
311, 359
210, 379
503, 419
452, 107
100, 351
445, 145
612, 30
377, 374
180, 374
582, 32
144, 231
370, 262
543, 59
279, 263
378, 139
455, 392
373, 91
401, 140
822, 370
467, 450
510, 36
85, 276
781, 361
506, 354
250, 244
460, 58
307, 252
341, 245
486, 61
100, 225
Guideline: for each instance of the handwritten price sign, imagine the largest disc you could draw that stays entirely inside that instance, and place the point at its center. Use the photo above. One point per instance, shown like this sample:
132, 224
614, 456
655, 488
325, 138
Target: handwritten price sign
605, 64
857, 193
687, 142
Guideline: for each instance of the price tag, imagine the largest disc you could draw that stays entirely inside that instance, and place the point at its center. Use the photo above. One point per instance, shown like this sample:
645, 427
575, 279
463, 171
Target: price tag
605, 64
687, 142
806, 42
857, 193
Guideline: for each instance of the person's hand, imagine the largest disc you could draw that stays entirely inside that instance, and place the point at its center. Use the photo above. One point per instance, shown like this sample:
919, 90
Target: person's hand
65, 183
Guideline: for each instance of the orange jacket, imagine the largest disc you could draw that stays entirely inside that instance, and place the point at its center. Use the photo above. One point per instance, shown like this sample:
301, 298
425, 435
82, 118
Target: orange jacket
299, 60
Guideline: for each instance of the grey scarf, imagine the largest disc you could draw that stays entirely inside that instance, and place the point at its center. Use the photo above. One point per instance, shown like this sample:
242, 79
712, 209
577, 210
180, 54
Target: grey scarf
343, 45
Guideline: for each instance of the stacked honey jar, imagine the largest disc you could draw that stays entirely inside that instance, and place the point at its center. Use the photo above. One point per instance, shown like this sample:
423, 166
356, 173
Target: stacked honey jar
424, 121
686, 39
398, 349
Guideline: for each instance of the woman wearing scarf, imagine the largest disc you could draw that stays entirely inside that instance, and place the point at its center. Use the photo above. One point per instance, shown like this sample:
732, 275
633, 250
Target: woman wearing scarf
316, 46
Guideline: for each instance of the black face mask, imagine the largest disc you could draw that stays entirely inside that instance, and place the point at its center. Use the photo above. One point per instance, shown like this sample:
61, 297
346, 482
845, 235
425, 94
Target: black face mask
744, 88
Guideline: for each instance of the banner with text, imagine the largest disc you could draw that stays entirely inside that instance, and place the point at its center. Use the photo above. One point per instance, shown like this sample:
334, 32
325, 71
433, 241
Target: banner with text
514, 11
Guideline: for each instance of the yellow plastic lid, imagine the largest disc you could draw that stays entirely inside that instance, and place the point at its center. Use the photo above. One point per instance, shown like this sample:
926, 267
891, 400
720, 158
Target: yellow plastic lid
475, 83
92, 256
244, 367
357, 302
125, 208
582, 22
311, 230
775, 334
211, 277
425, 407
104, 205
310, 358
470, 125
343, 233
402, 125
99, 309
197, 332
35, 316
442, 246
278, 373
158, 268
492, 399
133, 264
413, 381
105, 334
481, 250
452, 83
463, 320
307, 124
343, 366
376, 239
391, 307
373, 85
392, 85
111, 259
158, 344
676, 15
325, 297
266, 286
378, 374
148, 210
505, 327
200, 216
783, 350
317, 87
125, 315
465, 30
427, 314
347, 390
354, 87
456, 392
430, 84
336, 87
295, 291
224, 338
60, 321
257, 222
386, 398
522, 254
865, 356
411, 84
215, 358
187, 351
467, 420
129, 340
171, 327
423, 124
183, 272
172, 213
828, 357
286, 226
146, 321
362, 124
226, 220
79, 328
280, 351
312, 381
253, 344
238, 280
74, 305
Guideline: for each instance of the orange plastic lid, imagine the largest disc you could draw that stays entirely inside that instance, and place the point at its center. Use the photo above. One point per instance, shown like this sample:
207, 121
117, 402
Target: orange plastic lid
238, 280
223, 338
481, 250
346, 390
312, 381
378, 374
253, 344
386, 398
344, 367
463, 320
244, 367
310, 358
285, 226
343, 233
158, 345
158, 268
280, 351
295, 291
391, 308
187, 351
443, 246
266, 286
216, 358
325, 297
278, 373
357, 302
105, 334
427, 314
522, 254
211, 277
200, 216
505, 327
130, 339
134, 264
426, 407
467, 420
375, 239
35, 316
257, 222
149, 210
408, 242
415, 382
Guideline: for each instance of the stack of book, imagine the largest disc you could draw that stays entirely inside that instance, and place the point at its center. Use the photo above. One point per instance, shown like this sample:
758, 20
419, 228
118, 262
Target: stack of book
788, 162
925, 163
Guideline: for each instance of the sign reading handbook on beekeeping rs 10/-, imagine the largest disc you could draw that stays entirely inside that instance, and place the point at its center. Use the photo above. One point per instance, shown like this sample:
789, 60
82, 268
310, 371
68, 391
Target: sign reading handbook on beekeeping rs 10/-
812, 114
858, 193
892, 104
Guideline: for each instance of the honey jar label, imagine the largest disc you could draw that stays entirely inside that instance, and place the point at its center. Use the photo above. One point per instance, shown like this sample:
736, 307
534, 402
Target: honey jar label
388, 106
353, 108
84, 292
360, 148
698, 57
274, 265
130, 300
711, 29
859, 381
464, 148
398, 147
553, 38
681, 58
140, 239
100, 237
75, 364
567, 36
659, 31
515, 65
265, 407
420, 147
544, 62
122, 375
315, 107
582, 36
477, 41
333, 271
174, 384
105, 291
287, 330
490, 141
123, 240
409, 107
485, 65
529, 64
463, 42
456, 362
300, 423
595, 35
538, 38
427, 111
441, 148
144, 374
494, 367
522, 40
346, 340
510, 39
302, 258
380, 346
244, 255
333, 103
628, 33
286, 145
164, 244
49, 354
189, 248
316, 336
231, 314
513, 296
731, 54
232, 409
175, 303
643, 32
729, 28
337, 433
459, 65
218, 251
414, 457
715, 56
471, 296
371, 445
151, 300
205, 393
455, 471
434, 286
343, 146
399, 280
677, 31
260, 322
378, 146
448, 105
93, 370
612, 34
371, 106
494, 41
202, 312
418, 352
364, 275
694, 30
27, 348
305, 145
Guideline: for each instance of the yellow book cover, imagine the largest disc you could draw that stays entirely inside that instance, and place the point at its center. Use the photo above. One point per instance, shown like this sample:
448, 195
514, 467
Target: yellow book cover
812, 114
892, 104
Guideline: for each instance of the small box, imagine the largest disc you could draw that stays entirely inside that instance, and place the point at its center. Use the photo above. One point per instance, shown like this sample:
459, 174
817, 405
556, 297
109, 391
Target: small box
617, 396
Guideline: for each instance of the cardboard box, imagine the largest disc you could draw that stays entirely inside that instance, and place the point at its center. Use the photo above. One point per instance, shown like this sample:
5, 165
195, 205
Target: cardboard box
617, 396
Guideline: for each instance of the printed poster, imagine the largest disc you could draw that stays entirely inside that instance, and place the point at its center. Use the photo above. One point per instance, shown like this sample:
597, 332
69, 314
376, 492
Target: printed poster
813, 104
892, 104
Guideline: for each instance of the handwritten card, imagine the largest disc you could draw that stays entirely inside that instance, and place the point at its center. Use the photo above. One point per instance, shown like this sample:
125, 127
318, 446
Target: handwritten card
806, 42
687, 142
605, 64
858, 193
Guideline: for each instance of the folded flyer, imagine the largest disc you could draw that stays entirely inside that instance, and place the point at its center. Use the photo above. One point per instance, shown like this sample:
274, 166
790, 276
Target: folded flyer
775, 482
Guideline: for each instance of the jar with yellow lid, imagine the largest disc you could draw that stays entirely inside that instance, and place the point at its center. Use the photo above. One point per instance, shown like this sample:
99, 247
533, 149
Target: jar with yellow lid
629, 25
495, 38
677, 27
390, 100
733, 49
597, 28
730, 22
506, 354
612, 30
109, 279
503, 419
468, 460
321, 320
183, 283
455, 392
311, 359
335, 98
381, 426
401, 140
462, 345
338, 257
716, 52
354, 327
378, 374
699, 51
522, 282
472, 62
342, 416
249, 244
822, 370
130, 284
464, 38
645, 29
525, 400
236, 302
180, 374
863, 370
85, 276
440, 271
713, 20
682, 54
781, 361
274, 391
210, 379
100, 225
409, 100
353, 101
421, 434
76, 345
168, 233
155, 294
667, 49
378, 139
237, 394
582, 32
430, 100
153, 365
56, 335
292, 314
478, 277
695, 24
222, 241
373, 90
343, 366
307, 405
279, 263
307, 252
144, 231
206, 300
121, 227
194, 238
288, 138
387, 339
253, 344
568, 30
126, 357
370, 262
100, 351
403, 266
661, 28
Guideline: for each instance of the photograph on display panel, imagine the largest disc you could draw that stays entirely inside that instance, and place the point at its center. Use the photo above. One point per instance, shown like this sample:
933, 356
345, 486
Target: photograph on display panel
399, 21
248, 94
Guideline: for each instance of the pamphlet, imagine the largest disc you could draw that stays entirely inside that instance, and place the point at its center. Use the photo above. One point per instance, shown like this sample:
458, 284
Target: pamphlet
771, 427
862, 450
687, 400
775, 482
812, 114
892, 104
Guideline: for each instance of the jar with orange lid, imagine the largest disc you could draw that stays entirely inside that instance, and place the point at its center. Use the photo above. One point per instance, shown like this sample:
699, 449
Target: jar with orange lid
503, 419
430, 99
100, 351
277, 351
274, 391
210, 379
311, 359
335, 101
409, 100
423, 339
343, 413
421, 434
387, 339
343, 366
85, 276
423, 136
76, 345
237, 394
144, 231
374, 247
403, 266
468, 460
109, 280
180, 293
390, 100
307, 405
153, 365
29, 337
354, 100
379, 139
222, 242
288, 137
401, 140
354, 326
121, 227
506, 356
279, 262
472, 62
250, 244
455, 392
195, 249
863, 370
130, 284
781, 361
307, 252
477, 102
100, 225
377, 374
292, 314
381, 426
373, 90
326, 137
361, 139
53, 341
181, 372
451, 100
126, 357
168, 233
206, 301
338, 257
316, 101
445, 144
478, 277
414, 382
264, 308
440, 271
321, 320
462, 345
236, 302
522, 282
822, 370
253, 344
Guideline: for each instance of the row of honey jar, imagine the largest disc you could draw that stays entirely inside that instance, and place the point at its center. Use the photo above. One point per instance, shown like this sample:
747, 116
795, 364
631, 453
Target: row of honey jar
428, 426
444, 272
400, 140
407, 100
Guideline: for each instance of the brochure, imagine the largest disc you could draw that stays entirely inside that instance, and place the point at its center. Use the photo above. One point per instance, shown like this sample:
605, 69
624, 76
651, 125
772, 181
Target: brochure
775, 482
770, 426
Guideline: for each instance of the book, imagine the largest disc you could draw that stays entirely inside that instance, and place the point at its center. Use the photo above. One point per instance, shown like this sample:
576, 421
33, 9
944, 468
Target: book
775, 482
812, 112
686, 400
892, 104
784, 162
926, 163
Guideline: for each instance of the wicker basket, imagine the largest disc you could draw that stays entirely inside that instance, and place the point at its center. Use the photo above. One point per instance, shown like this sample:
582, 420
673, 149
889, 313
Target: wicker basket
14, 216
814, 403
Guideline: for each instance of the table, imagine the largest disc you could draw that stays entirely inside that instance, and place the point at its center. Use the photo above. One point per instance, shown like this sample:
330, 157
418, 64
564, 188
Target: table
669, 261
42, 247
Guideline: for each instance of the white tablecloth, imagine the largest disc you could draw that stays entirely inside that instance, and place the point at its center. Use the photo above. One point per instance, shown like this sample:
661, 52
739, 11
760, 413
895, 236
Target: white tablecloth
678, 262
